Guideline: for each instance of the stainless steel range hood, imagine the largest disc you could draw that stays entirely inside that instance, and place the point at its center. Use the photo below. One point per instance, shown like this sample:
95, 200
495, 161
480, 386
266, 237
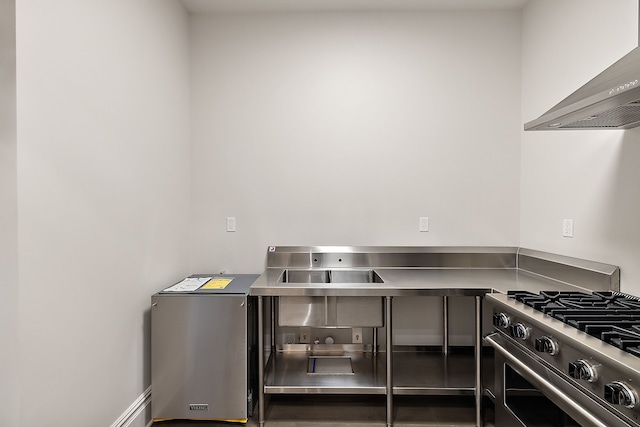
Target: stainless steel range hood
609, 101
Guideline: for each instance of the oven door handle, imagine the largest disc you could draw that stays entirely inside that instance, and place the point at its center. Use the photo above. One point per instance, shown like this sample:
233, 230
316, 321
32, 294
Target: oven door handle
542, 383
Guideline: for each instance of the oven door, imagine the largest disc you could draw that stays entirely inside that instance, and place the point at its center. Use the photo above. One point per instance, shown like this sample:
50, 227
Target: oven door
530, 393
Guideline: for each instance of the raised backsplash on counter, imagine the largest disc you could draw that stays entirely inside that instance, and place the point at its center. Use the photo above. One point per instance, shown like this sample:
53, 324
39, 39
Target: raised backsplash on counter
587, 274
574, 271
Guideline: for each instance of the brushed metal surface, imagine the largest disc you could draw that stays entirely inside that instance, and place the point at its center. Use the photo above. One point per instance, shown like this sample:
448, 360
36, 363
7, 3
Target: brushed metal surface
349, 275
418, 372
391, 256
287, 373
455, 271
563, 393
613, 363
305, 276
611, 100
329, 365
388, 309
581, 342
402, 271
301, 311
583, 273
354, 276
199, 356
415, 372
262, 356
478, 389
333, 311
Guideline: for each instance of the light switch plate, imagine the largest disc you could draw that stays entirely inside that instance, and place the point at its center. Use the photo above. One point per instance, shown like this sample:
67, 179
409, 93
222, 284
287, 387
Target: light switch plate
424, 224
231, 223
567, 228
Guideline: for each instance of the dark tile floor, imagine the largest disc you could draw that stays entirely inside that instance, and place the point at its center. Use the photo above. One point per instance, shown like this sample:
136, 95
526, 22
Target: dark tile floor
358, 411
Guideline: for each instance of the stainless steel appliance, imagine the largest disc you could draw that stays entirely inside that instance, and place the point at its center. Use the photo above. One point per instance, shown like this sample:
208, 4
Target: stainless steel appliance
204, 351
566, 358
611, 100
326, 290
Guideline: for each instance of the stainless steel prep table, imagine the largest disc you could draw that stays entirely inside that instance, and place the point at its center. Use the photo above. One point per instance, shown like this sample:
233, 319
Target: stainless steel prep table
414, 282
406, 271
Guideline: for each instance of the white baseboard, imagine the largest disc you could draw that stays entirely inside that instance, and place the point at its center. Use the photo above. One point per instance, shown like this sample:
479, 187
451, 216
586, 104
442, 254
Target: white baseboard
133, 412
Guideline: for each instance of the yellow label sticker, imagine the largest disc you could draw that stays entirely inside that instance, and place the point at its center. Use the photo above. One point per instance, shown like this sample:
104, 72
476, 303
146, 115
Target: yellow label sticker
217, 283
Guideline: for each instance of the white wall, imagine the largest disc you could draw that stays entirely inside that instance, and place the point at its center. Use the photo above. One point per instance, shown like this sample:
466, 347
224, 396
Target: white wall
344, 128
103, 161
591, 177
309, 129
9, 355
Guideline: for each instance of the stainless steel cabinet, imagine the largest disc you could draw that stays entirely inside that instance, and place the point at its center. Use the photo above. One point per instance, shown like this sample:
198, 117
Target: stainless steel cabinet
203, 353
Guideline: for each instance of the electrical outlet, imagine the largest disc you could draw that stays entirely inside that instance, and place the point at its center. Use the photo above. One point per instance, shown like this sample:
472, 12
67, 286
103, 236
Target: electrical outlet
567, 228
231, 223
424, 223
305, 335
288, 338
356, 335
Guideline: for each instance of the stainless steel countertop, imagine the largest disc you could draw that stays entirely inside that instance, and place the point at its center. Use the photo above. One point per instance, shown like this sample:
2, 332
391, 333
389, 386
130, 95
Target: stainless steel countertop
446, 270
414, 282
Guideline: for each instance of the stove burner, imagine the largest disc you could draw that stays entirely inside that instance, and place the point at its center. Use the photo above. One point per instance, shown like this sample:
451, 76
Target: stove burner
614, 318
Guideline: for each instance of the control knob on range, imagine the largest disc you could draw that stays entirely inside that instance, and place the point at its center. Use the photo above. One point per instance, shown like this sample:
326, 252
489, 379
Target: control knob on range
583, 370
619, 393
501, 320
519, 330
546, 344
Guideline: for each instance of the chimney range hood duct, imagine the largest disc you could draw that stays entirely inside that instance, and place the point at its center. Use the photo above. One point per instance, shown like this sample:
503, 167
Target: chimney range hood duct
611, 100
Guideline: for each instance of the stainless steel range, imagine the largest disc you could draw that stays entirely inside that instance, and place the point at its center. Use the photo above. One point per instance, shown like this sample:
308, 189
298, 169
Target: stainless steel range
566, 358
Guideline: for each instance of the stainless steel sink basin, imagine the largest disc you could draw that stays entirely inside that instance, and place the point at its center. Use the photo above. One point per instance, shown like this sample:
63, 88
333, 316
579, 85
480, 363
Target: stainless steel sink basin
330, 311
330, 276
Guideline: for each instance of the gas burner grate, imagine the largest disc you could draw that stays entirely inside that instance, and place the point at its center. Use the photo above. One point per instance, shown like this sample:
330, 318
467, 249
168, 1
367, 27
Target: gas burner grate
609, 316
